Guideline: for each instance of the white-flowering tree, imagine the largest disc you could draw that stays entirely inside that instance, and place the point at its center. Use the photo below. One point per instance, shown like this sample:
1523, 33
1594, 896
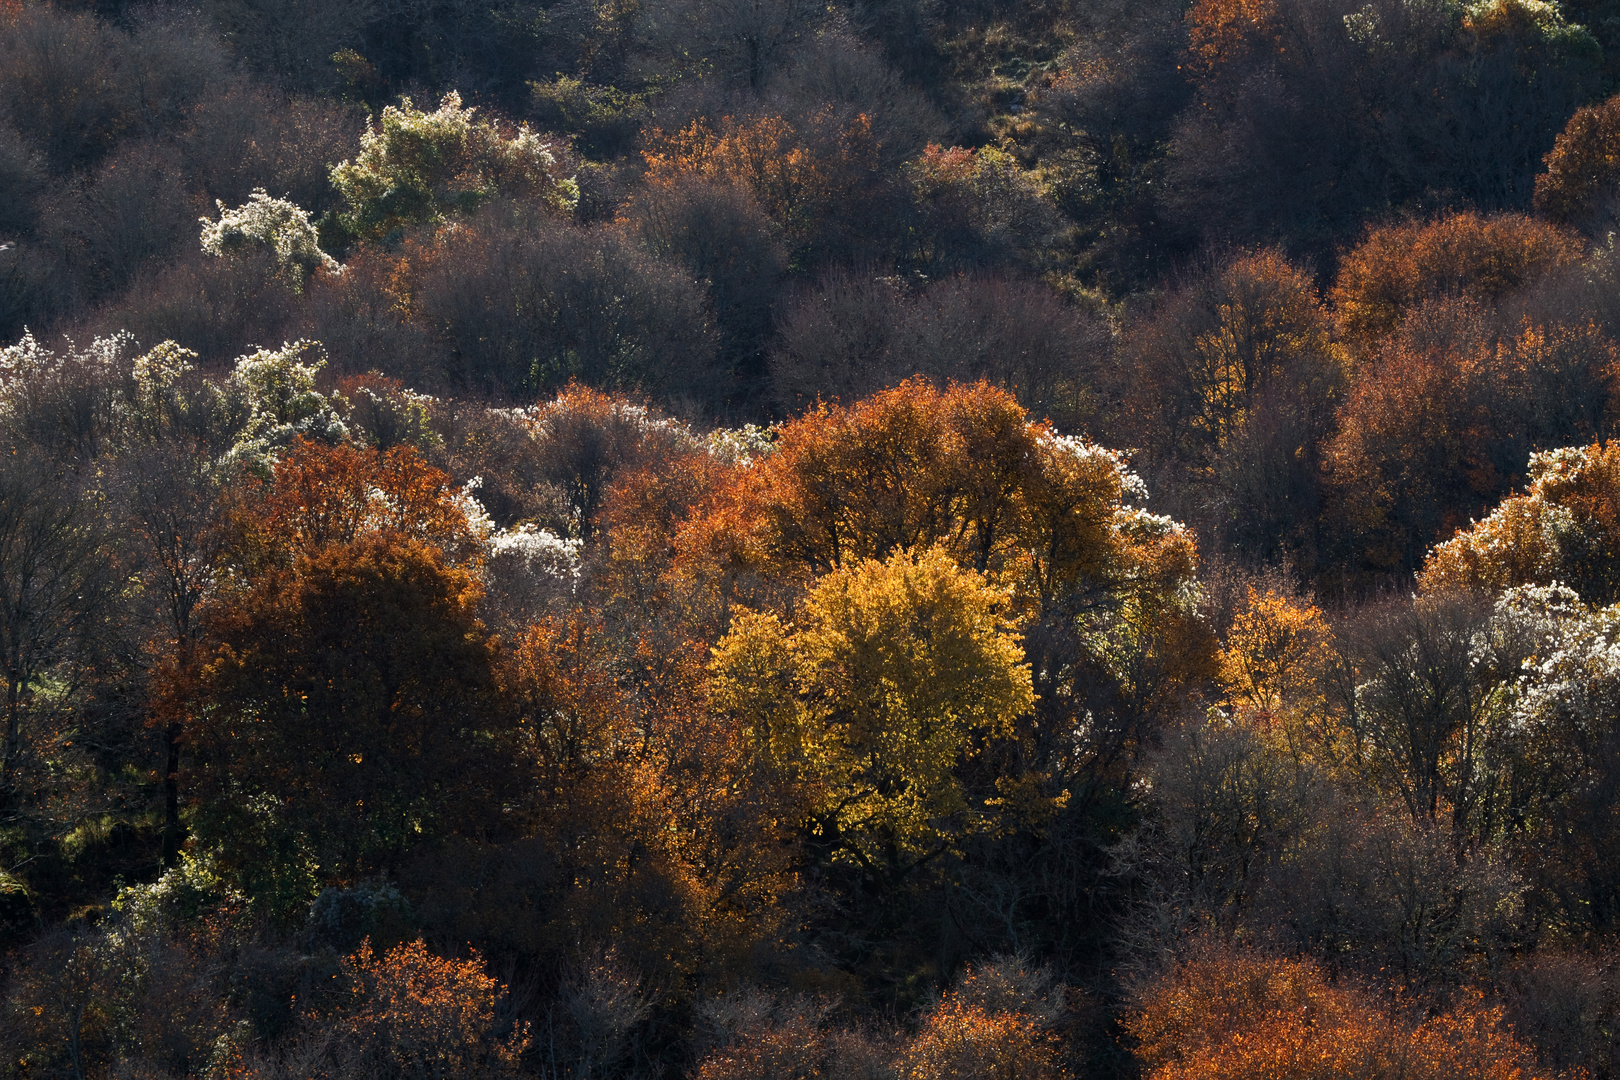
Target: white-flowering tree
1562, 746
420, 166
282, 402
276, 225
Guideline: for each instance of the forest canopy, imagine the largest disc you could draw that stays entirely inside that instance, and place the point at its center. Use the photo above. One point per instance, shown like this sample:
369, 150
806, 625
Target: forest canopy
763, 540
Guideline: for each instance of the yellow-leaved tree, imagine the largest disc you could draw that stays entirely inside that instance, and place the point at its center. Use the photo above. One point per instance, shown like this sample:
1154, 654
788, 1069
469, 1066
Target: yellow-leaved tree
1275, 667
892, 675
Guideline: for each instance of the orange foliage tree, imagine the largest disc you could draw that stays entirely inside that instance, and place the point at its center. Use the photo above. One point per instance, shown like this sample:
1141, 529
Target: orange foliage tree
340, 695
1101, 587
1565, 528
1230, 1014
1440, 424
1230, 35
960, 1041
804, 175
1583, 166
1275, 666
342, 716
1397, 267
415, 1014
645, 821
322, 495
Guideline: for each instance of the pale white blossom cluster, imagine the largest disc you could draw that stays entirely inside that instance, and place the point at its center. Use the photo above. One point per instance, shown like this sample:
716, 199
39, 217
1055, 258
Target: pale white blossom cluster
1088, 454
280, 226
1570, 681
104, 358
126, 390
742, 445
1139, 525
279, 389
540, 551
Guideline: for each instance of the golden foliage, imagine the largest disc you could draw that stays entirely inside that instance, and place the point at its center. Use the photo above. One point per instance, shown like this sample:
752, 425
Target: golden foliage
892, 674
1275, 665
964, 1041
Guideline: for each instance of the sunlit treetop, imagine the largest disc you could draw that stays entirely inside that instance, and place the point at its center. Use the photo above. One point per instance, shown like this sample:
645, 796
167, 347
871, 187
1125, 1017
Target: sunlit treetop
1565, 528
963, 468
417, 167
277, 225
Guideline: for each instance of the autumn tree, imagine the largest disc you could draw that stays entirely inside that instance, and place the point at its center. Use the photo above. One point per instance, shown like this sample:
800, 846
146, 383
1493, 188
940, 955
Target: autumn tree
649, 828
1396, 267
1277, 667
1229, 1013
415, 1014
1438, 427
319, 496
1230, 386
1578, 187
997, 1023
806, 175
342, 688
1562, 529
342, 716
891, 675
963, 468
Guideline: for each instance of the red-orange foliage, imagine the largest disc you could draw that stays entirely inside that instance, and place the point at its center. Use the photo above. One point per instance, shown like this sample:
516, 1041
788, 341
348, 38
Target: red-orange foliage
1583, 166
914, 467
419, 1015
797, 172
661, 837
323, 495
1230, 34
1231, 1014
1397, 267
902, 469
343, 711
1444, 417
